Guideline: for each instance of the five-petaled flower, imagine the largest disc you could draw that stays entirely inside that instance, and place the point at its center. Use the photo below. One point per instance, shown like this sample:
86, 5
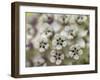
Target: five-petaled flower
43, 44
59, 41
74, 52
56, 57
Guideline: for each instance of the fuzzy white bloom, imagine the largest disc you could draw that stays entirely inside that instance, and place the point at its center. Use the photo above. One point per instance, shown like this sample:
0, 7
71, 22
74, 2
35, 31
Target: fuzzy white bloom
46, 18
30, 29
81, 43
62, 19
56, 57
43, 44
70, 32
74, 52
38, 60
72, 19
82, 33
81, 19
73, 31
59, 42
29, 36
56, 26
48, 30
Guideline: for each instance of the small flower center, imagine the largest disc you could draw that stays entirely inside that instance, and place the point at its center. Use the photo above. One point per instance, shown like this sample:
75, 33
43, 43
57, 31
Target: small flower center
75, 51
42, 44
60, 41
57, 56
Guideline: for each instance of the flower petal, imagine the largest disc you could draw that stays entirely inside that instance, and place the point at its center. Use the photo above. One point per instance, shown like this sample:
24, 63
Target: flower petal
41, 49
54, 42
70, 36
58, 62
82, 33
56, 26
52, 59
53, 52
62, 56
81, 43
63, 33
41, 60
56, 36
70, 54
46, 46
58, 47
76, 57
67, 28
80, 52
64, 44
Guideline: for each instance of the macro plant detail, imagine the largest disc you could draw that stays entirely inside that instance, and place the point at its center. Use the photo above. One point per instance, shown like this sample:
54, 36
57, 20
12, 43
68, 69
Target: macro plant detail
53, 39
56, 39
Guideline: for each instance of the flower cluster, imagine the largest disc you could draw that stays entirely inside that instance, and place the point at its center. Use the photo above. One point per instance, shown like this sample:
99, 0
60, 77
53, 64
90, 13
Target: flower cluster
56, 39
